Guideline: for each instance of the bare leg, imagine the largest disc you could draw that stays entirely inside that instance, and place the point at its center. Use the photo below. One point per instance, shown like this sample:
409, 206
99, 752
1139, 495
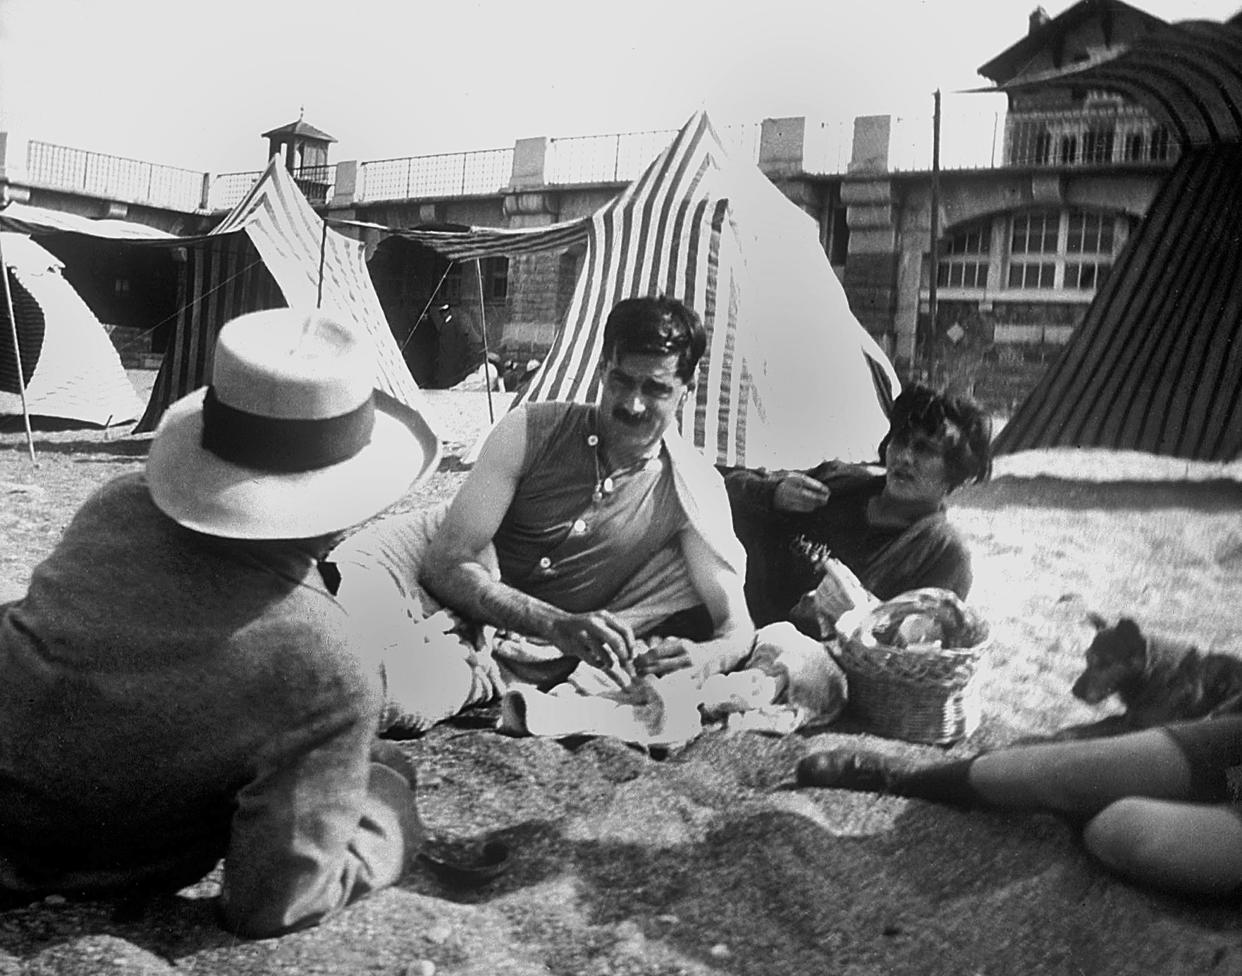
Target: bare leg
1083, 776
1192, 848
1185, 761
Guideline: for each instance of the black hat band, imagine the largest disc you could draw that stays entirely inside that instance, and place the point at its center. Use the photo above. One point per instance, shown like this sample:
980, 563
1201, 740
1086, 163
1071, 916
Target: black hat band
282, 444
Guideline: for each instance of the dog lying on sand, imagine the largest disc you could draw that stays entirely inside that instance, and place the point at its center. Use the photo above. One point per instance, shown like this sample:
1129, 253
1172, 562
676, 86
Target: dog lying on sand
1158, 679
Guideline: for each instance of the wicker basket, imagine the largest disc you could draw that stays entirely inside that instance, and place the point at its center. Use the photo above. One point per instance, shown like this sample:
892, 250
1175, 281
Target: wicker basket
916, 695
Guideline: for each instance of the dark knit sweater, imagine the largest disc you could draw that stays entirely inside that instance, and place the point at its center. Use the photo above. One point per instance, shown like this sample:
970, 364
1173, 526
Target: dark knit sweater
169, 699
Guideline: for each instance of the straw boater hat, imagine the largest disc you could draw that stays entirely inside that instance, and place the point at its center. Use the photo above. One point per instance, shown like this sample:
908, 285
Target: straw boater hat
289, 441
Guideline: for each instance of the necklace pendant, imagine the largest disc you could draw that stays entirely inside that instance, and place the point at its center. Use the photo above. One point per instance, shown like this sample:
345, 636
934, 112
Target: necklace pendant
597, 495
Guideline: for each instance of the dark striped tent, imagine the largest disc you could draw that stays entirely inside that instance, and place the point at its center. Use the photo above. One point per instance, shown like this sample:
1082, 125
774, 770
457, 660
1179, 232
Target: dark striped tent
1156, 364
789, 378
271, 250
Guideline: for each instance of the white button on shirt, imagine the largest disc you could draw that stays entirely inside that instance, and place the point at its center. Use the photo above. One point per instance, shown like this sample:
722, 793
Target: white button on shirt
545, 563
580, 527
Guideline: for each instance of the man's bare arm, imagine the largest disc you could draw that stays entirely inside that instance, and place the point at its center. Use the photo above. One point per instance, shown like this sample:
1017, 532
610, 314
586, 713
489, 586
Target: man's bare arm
455, 571
721, 590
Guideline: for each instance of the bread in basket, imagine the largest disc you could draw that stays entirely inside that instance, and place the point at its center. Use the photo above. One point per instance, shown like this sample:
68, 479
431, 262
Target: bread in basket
912, 664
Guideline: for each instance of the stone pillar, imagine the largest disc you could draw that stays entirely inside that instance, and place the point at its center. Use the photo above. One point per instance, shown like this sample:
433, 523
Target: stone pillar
872, 134
14, 177
346, 187
530, 163
533, 316
872, 264
782, 146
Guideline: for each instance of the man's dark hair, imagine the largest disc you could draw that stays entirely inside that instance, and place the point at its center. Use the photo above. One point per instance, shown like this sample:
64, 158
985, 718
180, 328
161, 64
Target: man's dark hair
960, 421
656, 326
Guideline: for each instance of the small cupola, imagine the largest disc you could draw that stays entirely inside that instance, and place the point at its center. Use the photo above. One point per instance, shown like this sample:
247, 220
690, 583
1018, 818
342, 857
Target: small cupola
300, 144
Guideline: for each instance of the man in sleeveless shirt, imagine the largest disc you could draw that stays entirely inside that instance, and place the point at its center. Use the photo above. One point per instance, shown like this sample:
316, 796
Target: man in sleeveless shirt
594, 531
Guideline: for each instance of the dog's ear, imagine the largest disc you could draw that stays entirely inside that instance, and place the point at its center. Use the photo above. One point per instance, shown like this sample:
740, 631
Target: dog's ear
1096, 621
1128, 629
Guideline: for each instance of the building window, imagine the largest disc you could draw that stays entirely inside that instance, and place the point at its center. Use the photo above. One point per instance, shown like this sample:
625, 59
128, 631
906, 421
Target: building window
1069, 150
1089, 249
495, 278
450, 290
1134, 147
964, 258
495, 272
1062, 249
1032, 250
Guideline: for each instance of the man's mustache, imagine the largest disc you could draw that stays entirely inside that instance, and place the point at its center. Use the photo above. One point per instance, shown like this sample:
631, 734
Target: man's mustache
627, 418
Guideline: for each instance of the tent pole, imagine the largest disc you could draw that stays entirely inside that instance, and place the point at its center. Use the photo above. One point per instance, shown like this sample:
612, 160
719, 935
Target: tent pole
17, 353
419, 320
323, 247
487, 362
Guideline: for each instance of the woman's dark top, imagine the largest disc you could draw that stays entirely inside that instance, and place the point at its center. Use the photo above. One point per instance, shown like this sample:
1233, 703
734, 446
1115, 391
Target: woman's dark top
783, 549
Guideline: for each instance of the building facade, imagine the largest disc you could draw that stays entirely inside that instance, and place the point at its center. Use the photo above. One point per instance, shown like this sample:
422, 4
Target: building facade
973, 271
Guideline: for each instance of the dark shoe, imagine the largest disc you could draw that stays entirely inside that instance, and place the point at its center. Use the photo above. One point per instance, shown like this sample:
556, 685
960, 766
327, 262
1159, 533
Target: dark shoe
848, 769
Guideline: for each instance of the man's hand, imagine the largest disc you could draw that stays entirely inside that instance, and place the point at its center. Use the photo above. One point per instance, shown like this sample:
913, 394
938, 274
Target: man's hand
798, 492
601, 639
665, 655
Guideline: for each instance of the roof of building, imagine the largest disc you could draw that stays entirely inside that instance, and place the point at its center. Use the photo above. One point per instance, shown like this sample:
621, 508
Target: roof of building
1052, 33
299, 128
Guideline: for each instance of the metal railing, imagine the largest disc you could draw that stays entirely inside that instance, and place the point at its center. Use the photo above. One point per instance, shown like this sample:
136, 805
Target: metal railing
114, 177
969, 139
619, 157
227, 189
827, 147
440, 175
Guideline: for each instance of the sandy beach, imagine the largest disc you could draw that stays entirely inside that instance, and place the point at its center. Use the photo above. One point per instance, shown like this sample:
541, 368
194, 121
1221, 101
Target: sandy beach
704, 861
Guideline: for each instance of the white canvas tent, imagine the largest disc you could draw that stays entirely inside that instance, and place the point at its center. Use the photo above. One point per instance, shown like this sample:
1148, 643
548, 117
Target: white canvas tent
790, 376
71, 369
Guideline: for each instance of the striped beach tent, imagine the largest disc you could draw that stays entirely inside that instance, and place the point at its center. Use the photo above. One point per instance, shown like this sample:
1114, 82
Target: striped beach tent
789, 377
69, 368
1156, 364
271, 250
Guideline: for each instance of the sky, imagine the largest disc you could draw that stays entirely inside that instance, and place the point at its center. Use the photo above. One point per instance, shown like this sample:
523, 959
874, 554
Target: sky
193, 84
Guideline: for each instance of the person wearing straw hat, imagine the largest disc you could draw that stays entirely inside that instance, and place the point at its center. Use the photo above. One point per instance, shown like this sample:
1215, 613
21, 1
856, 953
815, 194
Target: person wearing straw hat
180, 684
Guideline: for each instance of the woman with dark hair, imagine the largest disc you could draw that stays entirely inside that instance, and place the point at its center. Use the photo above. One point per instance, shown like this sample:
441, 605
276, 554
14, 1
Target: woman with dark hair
887, 524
